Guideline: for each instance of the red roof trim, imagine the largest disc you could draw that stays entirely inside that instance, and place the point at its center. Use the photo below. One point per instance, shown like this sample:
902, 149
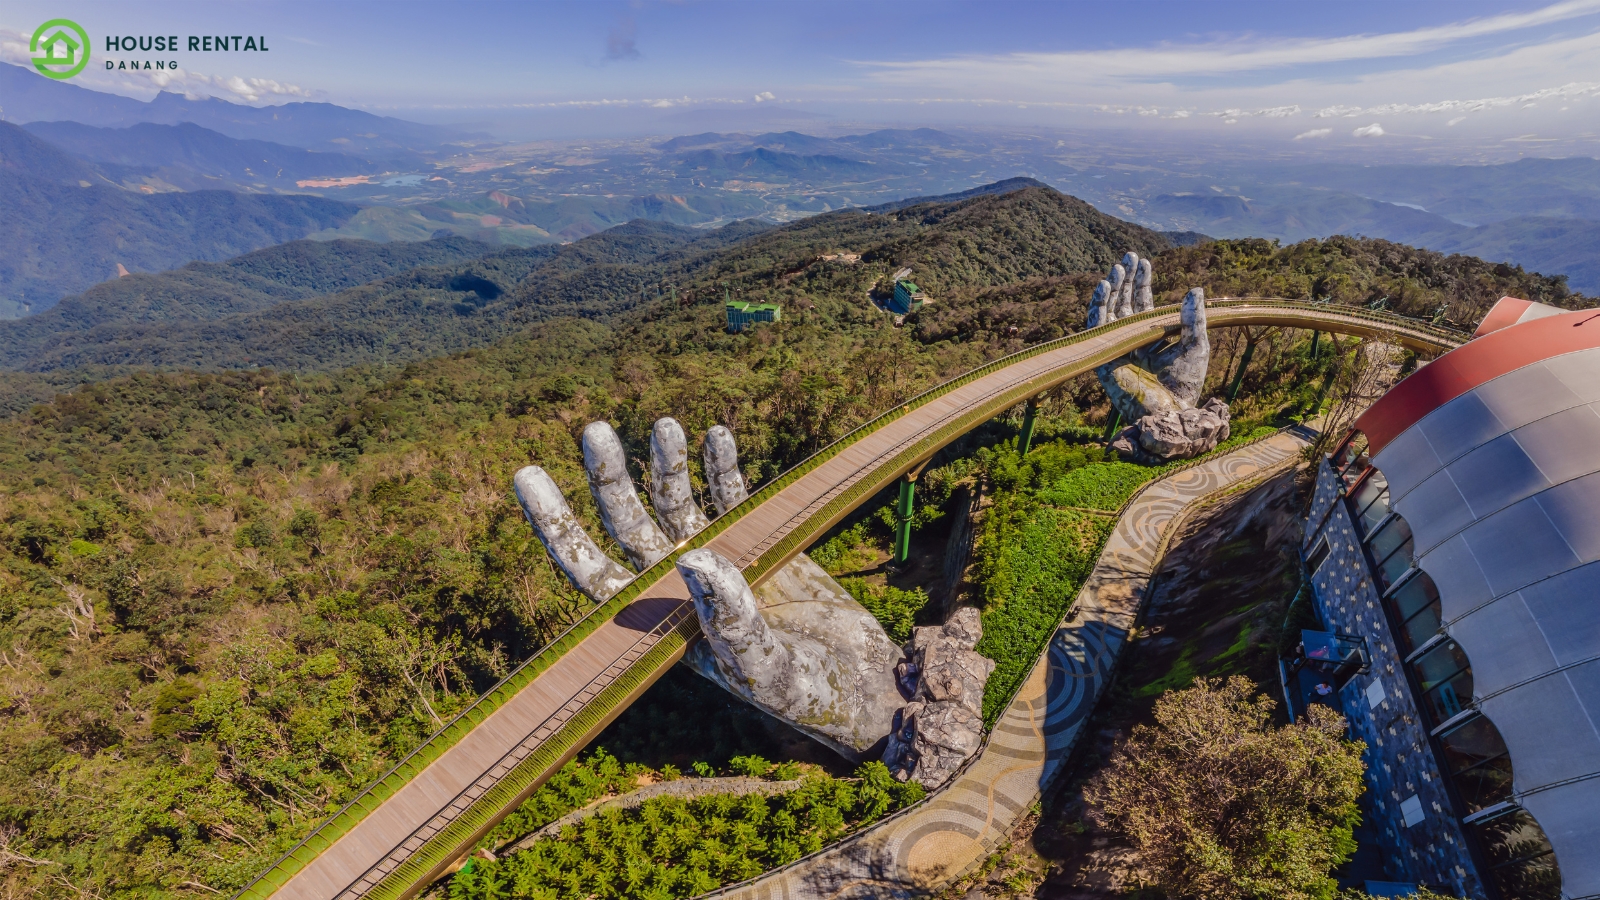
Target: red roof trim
1504, 314
1470, 365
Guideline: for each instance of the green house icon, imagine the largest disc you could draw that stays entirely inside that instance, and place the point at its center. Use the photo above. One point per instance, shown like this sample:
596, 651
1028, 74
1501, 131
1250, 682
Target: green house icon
53, 43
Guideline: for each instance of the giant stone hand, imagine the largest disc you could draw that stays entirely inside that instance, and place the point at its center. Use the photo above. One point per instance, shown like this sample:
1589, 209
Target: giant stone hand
1156, 388
799, 646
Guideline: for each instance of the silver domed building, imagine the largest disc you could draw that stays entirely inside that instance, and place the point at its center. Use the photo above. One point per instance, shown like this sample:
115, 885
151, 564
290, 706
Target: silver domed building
1453, 544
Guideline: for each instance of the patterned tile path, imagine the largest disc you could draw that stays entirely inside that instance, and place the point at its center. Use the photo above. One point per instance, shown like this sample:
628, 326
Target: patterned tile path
929, 846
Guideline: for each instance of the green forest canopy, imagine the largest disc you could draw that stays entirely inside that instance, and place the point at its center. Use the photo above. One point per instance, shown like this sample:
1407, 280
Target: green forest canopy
230, 598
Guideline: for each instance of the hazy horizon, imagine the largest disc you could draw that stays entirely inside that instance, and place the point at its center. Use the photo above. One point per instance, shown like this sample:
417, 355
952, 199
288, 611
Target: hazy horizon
1436, 81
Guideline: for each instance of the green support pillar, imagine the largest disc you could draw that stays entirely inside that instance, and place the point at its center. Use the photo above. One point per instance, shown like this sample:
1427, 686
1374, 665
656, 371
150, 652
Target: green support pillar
1025, 440
1238, 377
902, 529
1112, 424
1327, 380
1316, 343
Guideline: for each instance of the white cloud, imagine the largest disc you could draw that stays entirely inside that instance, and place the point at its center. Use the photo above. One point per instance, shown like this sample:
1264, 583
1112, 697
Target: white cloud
1314, 133
765, 95
1209, 59
1373, 130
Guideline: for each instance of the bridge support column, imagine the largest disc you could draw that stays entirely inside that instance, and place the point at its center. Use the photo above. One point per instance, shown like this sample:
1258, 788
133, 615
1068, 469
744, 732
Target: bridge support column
1244, 363
902, 519
1025, 440
1112, 424
1316, 343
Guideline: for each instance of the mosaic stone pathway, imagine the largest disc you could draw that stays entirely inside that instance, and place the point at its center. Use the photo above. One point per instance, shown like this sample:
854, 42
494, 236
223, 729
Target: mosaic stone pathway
929, 846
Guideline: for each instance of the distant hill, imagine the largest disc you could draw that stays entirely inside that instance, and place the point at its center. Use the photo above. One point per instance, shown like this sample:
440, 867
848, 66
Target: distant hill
314, 126
998, 187
958, 248
202, 291
65, 227
192, 158
762, 162
1541, 243
888, 138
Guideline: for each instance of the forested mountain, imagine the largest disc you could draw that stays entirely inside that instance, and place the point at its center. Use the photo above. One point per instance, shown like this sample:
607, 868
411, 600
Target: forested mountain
203, 291
67, 227
229, 599
191, 158
956, 248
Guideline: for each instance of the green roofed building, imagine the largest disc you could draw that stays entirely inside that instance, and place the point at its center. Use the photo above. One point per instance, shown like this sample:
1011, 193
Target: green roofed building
742, 314
907, 299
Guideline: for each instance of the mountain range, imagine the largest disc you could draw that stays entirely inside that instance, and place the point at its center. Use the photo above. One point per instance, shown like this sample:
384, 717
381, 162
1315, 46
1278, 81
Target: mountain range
312, 126
68, 226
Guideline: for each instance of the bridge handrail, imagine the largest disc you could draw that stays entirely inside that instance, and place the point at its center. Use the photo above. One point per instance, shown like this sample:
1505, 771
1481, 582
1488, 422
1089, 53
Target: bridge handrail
369, 798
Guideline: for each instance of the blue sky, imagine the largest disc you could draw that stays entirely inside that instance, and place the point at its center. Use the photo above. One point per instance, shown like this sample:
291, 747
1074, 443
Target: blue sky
1312, 70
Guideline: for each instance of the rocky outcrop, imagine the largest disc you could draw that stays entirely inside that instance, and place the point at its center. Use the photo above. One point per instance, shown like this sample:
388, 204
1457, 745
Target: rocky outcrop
1174, 434
943, 724
1156, 388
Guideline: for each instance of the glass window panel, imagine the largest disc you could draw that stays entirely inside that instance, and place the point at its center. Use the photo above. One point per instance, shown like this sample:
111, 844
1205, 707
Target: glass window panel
1319, 555
1531, 879
1485, 784
1397, 564
1475, 742
1372, 512
1389, 539
1446, 679
1511, 837
1352, 459
1416, 605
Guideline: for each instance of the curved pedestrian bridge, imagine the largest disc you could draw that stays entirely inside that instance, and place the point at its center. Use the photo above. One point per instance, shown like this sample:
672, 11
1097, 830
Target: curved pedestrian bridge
406, 829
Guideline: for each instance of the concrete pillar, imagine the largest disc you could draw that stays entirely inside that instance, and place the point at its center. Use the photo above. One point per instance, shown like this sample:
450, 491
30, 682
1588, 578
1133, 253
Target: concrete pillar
1025, 440
903, 511
1112, 424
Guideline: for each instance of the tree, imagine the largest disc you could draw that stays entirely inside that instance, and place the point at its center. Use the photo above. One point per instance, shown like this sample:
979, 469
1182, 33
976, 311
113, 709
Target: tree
1219, 803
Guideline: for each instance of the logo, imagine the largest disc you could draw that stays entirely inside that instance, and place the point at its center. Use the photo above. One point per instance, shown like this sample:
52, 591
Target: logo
60, 48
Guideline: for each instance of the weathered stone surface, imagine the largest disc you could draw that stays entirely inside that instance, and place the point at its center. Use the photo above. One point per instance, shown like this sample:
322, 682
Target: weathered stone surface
829, 671
670, 492
1175, 435
620, 510
1158, 386
590, 570
943, 724
723, 481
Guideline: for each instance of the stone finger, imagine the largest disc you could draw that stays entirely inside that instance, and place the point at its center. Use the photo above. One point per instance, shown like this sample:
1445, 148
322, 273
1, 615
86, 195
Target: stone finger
1130, 267
1183, 366
723, 480
670, 492
1143, 299
1100, 312
620, 510
747, 650
589, 570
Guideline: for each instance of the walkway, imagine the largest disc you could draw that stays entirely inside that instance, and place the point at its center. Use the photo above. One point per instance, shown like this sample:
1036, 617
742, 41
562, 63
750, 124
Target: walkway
929, 846
408, 828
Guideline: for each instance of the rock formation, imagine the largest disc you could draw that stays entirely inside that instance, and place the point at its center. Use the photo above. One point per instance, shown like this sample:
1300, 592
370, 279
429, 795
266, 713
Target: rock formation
1156, 388
943, 724
799, 647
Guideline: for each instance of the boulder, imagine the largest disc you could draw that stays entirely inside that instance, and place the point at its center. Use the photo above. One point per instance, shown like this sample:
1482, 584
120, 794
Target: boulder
1175, 434
943, 724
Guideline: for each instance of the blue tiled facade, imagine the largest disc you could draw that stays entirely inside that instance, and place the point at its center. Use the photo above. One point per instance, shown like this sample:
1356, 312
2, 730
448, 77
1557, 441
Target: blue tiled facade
1401, 764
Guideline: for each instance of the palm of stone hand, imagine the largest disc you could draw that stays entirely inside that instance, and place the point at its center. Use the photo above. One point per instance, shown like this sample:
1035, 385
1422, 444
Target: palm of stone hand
1156, 388
799, 647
